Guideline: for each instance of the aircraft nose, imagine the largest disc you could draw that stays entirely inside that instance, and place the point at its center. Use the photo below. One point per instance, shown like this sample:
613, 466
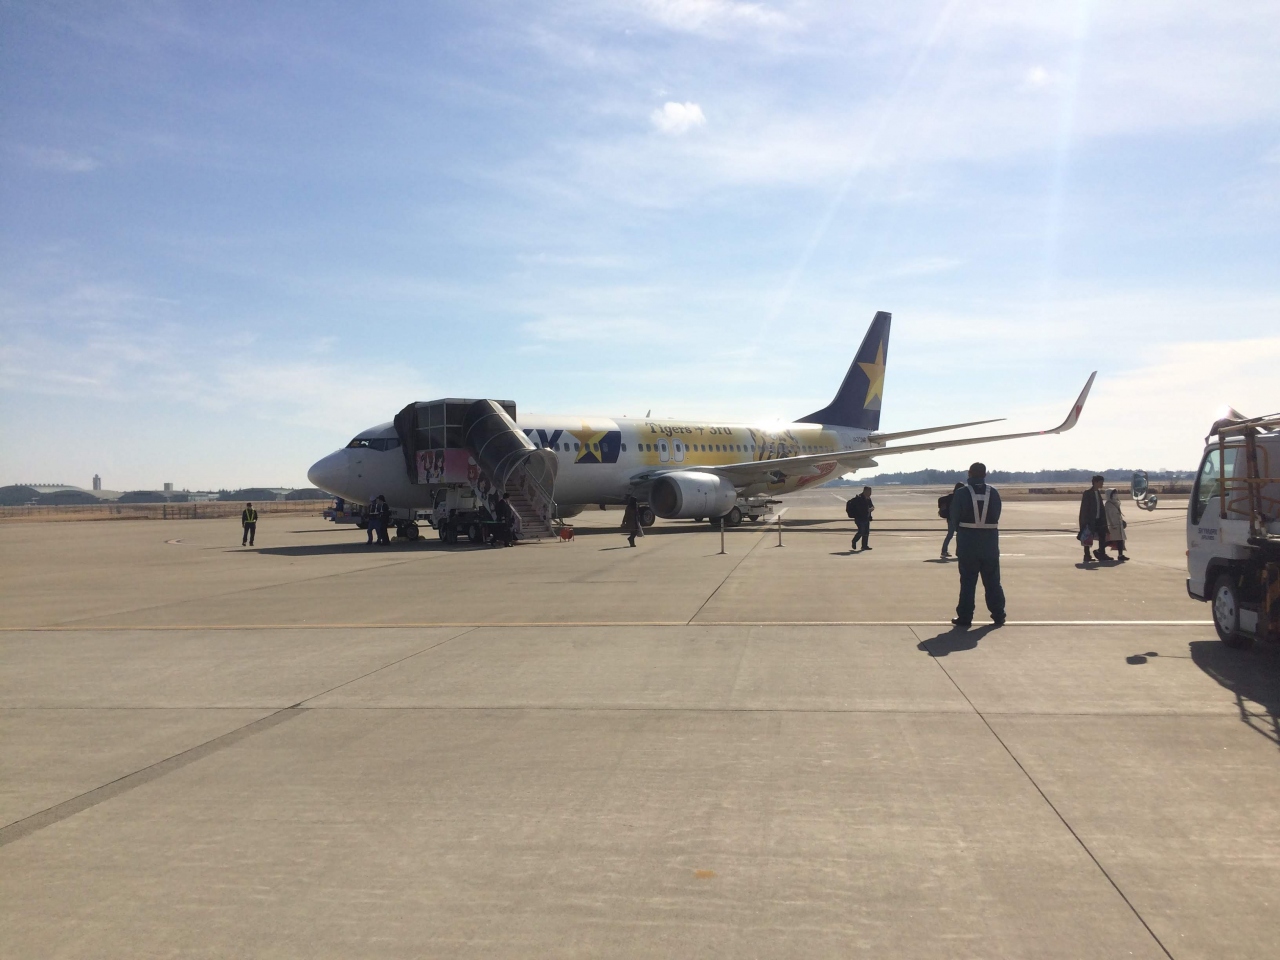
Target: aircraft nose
328, 473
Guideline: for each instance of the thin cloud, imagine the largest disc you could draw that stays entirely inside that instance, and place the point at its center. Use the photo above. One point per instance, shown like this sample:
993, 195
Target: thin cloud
58, 161
696, 16
674, 118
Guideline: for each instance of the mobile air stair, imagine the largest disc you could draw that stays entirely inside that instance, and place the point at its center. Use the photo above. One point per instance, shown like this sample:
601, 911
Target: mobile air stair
472, 451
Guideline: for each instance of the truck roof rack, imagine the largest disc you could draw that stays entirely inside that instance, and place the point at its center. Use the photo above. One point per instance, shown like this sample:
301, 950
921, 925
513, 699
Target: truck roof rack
1236, 427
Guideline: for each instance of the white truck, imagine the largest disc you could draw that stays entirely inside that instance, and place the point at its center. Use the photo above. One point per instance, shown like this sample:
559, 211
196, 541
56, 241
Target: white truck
1233, 530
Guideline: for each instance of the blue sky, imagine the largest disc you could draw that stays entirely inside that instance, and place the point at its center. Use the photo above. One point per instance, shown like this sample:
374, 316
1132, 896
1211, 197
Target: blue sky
234, 234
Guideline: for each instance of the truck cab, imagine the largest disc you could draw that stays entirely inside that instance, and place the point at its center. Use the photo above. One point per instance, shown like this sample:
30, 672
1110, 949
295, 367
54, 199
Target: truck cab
1233, 530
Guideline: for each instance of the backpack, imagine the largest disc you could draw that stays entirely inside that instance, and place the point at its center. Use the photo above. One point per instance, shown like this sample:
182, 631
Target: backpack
848, 507
944, 506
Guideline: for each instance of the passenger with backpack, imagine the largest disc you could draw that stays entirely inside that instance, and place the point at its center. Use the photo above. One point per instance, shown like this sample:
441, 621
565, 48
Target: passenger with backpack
860, 509
944, 511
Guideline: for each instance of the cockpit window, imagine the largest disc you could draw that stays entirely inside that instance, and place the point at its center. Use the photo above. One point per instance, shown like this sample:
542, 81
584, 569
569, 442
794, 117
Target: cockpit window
375, 443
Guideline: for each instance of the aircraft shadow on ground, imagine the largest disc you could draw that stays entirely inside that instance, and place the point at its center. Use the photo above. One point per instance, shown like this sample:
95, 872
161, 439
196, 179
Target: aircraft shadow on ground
345, 549
1252, 676
954, 640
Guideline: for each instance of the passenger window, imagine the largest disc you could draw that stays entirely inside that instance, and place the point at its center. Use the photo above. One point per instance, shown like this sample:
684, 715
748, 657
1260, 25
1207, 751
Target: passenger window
577, 446
624, 448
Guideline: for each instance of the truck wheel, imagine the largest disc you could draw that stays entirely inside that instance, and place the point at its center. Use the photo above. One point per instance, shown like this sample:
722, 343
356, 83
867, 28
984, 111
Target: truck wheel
734, 517
412, 532
647, 517
442, 530
475, 534
1226, 612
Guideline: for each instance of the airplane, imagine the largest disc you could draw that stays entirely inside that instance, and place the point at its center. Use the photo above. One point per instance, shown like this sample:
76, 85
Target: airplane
676, 469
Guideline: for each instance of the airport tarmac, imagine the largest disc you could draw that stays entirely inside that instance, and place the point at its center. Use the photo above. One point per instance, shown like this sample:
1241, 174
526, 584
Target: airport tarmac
316, 748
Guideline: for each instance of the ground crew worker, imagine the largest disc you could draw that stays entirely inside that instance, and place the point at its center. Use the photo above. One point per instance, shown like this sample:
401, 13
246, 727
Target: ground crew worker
371, 521
860, 508
249, 521
975, 512
384, 516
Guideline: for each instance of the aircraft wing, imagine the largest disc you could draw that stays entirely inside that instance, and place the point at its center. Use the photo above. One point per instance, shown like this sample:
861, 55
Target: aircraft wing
903, 434
826, 464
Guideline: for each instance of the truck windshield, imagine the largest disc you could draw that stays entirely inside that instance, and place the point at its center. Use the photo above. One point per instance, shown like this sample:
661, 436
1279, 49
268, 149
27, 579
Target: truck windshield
1207, 484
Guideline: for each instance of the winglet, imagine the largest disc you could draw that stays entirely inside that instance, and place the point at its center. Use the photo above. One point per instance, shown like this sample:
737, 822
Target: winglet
1074, 416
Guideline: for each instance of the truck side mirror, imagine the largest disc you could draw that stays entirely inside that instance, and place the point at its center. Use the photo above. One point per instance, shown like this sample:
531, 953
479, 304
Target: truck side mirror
1138, 485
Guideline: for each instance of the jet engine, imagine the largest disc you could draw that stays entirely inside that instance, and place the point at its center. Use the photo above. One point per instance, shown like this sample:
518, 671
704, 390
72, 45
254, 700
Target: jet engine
690, 494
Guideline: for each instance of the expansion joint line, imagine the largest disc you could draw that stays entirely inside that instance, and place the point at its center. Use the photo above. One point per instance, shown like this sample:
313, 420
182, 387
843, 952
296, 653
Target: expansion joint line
69, 808
731, 572
385, 666
1058, 813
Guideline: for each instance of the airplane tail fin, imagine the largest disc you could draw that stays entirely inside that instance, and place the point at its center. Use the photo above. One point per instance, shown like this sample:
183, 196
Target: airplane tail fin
857, 402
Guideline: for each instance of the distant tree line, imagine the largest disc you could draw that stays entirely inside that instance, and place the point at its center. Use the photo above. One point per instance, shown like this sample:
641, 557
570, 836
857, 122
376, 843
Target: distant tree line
935, 477
18, 494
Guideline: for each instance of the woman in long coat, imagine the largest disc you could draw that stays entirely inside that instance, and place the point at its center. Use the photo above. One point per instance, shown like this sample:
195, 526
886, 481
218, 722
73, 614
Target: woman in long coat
631, 522
1115, 524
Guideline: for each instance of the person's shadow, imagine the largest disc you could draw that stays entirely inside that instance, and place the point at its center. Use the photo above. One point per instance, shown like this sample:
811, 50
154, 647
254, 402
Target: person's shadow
955, 640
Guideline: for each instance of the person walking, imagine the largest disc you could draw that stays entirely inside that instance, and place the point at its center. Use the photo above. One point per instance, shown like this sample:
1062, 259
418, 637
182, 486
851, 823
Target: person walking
371, 521
249, 523
861, 508
944, 511
975, 512
1115, 525
631, 521
1093, 520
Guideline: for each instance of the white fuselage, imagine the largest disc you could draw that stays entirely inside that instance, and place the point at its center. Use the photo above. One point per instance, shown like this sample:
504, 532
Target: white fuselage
599, 456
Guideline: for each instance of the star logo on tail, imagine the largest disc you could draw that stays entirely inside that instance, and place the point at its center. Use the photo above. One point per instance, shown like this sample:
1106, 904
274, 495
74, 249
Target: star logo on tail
875, 374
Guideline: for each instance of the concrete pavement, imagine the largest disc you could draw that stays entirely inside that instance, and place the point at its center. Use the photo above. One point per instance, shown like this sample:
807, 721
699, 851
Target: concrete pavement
316, 748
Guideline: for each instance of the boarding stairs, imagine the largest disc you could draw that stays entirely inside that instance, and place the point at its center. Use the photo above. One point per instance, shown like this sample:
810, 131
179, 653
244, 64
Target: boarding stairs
511, 464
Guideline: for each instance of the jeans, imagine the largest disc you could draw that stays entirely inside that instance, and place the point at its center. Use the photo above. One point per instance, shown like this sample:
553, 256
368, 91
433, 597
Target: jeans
988, 568
864, 532
951, 532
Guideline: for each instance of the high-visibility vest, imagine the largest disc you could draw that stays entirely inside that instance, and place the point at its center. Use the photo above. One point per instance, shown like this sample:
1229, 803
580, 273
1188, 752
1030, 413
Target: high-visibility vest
980, 501
249, 516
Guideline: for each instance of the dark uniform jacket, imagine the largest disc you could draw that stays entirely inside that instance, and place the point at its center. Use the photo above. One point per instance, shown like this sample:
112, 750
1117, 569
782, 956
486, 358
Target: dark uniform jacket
971, 542
248, 515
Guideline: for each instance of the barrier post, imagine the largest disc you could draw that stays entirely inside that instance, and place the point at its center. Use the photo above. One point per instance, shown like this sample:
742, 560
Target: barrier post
779, 529
722, 537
